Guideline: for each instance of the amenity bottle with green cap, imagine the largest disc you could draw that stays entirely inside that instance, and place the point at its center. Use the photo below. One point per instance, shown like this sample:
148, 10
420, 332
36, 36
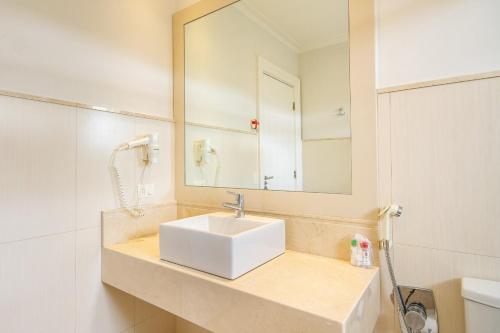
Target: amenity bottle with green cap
355, 253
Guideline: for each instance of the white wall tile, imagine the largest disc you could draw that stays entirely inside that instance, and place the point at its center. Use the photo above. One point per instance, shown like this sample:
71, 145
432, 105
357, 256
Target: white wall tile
37, 285
37, 172
99, 308
99, 133
54, 171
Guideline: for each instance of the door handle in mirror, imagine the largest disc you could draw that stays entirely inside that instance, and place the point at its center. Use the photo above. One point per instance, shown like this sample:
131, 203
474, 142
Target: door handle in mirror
266, 178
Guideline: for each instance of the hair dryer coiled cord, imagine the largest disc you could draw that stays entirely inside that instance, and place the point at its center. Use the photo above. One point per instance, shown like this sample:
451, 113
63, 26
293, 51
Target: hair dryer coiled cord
115, 173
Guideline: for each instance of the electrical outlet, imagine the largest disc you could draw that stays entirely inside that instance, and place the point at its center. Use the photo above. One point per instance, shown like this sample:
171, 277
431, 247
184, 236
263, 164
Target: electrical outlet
145, 190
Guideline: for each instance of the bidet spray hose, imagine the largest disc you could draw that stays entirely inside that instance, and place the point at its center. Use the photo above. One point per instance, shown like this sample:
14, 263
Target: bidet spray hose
385, 234
397, 291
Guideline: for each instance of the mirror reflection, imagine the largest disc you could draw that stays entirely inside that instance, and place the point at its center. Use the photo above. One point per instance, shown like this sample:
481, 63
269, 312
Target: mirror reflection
267, 100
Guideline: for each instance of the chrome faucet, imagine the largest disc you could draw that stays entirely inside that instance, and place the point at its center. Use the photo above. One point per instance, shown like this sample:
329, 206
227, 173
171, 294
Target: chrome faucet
238, 205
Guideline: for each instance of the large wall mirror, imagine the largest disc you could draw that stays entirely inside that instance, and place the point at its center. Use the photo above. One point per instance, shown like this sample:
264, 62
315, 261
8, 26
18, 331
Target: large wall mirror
267, 97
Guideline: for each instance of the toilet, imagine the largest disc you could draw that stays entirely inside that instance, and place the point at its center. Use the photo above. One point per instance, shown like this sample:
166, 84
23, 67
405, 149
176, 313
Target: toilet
482, 305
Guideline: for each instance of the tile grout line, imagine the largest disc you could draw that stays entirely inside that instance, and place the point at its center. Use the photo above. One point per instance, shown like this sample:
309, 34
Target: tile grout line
37, 237
79, 105
395, 323
447, 250
76, 230
135, 121
372, 223
77, 113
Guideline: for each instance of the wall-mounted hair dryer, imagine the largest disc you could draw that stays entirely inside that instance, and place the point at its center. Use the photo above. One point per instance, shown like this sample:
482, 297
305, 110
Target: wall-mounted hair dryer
149, 144
150, 147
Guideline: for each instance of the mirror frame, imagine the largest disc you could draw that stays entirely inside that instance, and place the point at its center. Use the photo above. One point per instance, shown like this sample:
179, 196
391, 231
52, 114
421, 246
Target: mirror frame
361, 204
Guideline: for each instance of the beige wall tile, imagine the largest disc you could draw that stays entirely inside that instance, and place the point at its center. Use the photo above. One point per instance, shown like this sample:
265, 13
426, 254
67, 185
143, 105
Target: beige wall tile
184, 326
37, 172
144, 311
99, 307
163, 322
119, 226
128, 330
187, 211
327, 238
37, 285
98, 134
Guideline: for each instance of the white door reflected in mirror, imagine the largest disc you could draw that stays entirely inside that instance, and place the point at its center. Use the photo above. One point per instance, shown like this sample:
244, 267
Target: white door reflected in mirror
267, 86
280, 145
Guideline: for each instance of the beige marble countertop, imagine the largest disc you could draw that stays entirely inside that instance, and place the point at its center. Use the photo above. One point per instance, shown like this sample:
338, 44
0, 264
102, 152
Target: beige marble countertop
295, 292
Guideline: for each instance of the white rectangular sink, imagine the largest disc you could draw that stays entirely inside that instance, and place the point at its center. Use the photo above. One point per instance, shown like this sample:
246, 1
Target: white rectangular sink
222, 244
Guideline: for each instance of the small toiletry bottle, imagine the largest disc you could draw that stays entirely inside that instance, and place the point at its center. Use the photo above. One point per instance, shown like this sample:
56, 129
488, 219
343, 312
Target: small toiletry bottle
366, 257
354, 252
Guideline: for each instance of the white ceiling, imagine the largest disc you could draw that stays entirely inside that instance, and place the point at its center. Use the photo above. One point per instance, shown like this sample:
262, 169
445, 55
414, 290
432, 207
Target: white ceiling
304, 24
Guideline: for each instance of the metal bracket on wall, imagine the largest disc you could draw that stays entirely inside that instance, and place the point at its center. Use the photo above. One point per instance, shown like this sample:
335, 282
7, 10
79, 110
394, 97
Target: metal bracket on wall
421, 312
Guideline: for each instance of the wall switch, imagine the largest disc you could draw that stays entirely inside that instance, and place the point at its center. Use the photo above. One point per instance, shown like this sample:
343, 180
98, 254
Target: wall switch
145, 190
150, 190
